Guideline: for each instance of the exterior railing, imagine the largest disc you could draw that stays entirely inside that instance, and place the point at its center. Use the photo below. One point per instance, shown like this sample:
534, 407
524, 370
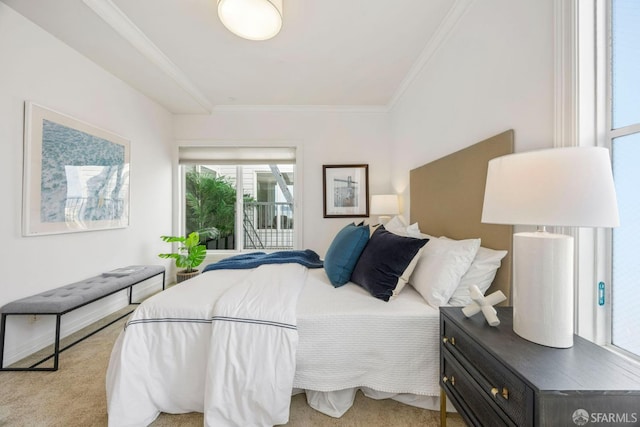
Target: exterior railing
268, 225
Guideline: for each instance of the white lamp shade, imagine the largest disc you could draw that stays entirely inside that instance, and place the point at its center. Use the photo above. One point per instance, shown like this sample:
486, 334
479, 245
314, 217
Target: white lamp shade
384, 204
251, 19
555, 187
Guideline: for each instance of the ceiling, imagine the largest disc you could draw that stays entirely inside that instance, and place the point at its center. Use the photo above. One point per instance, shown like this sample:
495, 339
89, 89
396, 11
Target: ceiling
338, 53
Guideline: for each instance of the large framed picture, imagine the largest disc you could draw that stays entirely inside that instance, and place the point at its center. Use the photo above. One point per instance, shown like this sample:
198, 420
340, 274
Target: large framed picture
76, 176
345, 191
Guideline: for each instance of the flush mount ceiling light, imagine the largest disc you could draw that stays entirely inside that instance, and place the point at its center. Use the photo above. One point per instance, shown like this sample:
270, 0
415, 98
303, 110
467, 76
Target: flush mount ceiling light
251, 19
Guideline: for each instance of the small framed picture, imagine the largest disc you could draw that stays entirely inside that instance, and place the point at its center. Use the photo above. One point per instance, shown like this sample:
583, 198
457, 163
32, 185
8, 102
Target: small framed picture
345, 191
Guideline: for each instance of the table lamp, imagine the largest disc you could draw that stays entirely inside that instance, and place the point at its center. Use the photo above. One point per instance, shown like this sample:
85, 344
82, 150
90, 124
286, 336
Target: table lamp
554, 187
384, 205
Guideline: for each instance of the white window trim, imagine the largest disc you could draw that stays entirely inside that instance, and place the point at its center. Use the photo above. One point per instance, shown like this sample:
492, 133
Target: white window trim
581, 118
608, 134
576, 111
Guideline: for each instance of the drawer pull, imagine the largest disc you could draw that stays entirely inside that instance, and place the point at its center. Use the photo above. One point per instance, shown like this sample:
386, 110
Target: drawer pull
505, 393
451, 340
452, 380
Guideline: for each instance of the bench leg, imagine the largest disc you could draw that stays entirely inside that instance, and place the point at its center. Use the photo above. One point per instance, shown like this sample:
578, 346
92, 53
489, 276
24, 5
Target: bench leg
56, 350
144, 280
3, 326
55, 355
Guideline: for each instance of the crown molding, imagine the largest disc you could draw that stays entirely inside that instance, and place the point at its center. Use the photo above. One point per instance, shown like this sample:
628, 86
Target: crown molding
449, 22
122, 25
366, 109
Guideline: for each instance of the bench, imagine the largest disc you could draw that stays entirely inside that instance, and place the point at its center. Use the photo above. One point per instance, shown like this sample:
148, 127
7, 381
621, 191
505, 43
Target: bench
67, 298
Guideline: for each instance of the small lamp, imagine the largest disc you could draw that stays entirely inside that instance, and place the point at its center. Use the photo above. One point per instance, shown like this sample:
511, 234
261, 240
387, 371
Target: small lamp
554, 187
384, 205
251, 19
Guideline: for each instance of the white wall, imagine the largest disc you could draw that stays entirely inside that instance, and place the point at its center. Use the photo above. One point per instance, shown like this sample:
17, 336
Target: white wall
38, 67
494, 72
325, 137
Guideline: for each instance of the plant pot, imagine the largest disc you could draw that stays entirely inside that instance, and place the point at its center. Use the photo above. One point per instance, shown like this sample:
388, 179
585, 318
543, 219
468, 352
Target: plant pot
182, 275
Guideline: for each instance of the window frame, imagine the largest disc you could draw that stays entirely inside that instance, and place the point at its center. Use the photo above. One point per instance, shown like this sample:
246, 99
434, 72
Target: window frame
179, 203
587, 25
605, 42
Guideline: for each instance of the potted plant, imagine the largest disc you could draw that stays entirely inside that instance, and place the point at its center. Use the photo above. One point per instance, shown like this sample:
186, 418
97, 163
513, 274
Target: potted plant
190, 254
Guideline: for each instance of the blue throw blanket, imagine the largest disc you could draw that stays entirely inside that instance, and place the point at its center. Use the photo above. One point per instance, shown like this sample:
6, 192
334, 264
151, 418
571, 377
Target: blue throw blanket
307, 257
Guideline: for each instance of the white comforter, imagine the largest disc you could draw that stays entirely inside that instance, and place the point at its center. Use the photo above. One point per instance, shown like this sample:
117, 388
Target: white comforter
232, 340
350, 340
347, 340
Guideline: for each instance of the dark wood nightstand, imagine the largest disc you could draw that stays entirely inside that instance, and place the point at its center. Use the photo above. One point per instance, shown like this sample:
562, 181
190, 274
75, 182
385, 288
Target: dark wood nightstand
494, 377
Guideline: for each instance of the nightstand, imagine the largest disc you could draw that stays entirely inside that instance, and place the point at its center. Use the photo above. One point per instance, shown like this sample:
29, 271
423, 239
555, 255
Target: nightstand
494, 377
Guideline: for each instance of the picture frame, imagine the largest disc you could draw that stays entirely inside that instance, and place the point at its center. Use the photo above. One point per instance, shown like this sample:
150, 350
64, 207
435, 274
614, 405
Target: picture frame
75, 176
345, 190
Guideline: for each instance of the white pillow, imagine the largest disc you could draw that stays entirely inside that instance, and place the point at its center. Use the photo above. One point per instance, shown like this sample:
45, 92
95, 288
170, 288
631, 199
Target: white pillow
413, 231
397, 225
441, 266
481, 273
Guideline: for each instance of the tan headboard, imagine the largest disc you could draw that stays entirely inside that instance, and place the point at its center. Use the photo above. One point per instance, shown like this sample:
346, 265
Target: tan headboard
447, 196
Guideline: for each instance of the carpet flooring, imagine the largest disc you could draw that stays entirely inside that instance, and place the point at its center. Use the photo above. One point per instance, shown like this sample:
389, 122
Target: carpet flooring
75, 396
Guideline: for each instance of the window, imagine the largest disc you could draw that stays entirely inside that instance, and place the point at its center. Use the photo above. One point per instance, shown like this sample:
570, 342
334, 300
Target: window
239, 198
624, 140
607, 77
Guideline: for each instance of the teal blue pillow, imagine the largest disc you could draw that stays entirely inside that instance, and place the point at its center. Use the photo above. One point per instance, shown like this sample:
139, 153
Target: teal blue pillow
343, 253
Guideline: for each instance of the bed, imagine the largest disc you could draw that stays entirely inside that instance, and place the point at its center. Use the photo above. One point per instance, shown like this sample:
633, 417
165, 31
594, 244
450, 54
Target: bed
236, 343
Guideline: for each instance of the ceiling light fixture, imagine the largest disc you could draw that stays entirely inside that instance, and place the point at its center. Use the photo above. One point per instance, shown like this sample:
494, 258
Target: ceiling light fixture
251, 19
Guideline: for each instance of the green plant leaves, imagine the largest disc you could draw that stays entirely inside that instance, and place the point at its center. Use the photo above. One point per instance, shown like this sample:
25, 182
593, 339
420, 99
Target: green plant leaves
210, 202
190, 254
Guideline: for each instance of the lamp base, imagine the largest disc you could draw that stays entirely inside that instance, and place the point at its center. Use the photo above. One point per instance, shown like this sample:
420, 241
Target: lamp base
543, 288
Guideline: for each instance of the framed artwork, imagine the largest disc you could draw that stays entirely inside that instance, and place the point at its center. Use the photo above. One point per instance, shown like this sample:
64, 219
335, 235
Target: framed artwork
76, 176
345, 190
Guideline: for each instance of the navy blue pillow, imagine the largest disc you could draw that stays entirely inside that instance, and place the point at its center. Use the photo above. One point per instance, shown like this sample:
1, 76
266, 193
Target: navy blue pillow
344, 252
386, 263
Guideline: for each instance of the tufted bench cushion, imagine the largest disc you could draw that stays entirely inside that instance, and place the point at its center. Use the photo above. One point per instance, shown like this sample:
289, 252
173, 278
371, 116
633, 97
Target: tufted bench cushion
64, 299
74, 295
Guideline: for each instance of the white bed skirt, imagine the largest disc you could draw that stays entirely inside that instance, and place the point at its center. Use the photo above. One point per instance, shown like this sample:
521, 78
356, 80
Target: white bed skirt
337, 403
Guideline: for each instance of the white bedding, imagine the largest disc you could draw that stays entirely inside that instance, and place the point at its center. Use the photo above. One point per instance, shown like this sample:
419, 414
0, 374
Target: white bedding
346, 340
350, 339
231, 356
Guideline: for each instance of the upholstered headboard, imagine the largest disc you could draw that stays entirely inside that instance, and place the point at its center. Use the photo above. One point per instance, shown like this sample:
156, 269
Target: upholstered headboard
447, 196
